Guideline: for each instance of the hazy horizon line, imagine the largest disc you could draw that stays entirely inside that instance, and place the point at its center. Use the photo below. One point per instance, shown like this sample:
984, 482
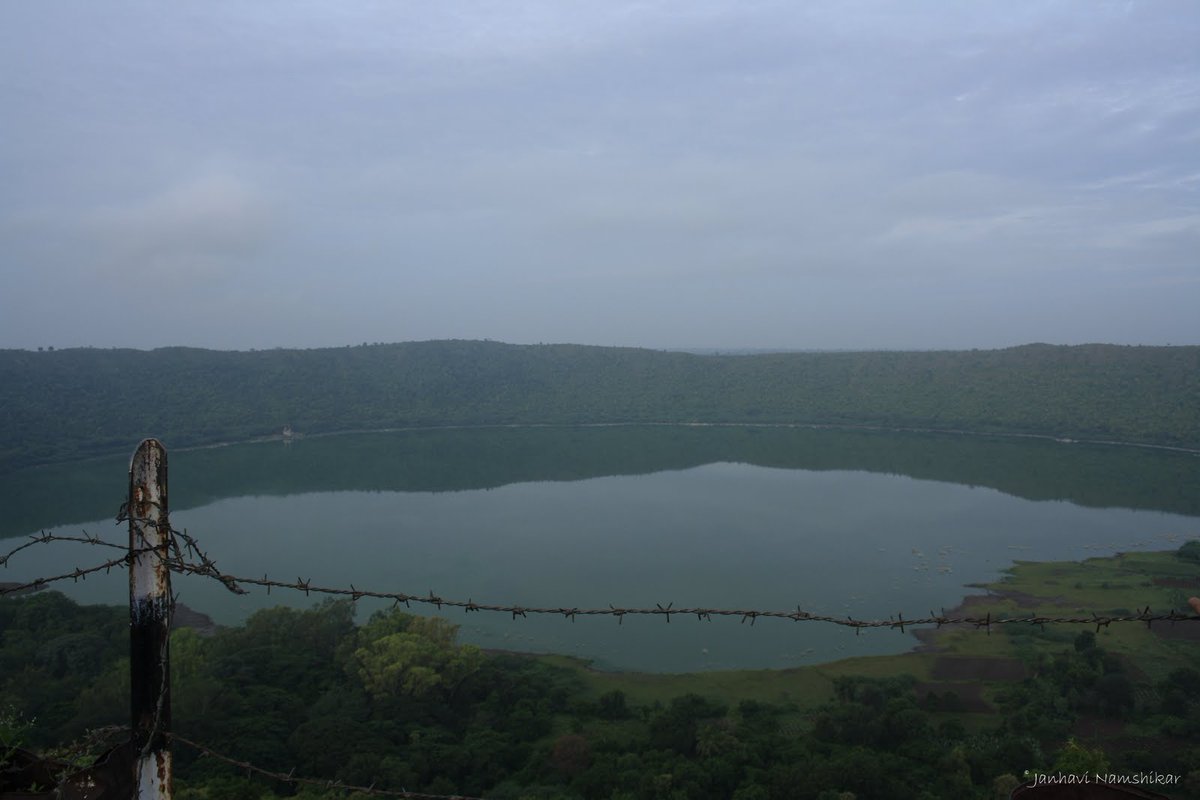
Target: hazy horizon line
725, 350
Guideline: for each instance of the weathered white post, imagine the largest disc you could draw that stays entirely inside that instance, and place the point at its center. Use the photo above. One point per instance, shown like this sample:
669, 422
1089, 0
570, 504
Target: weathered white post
150, 621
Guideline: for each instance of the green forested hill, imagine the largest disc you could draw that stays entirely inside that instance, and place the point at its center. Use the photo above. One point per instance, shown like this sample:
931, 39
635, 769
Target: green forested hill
70, 403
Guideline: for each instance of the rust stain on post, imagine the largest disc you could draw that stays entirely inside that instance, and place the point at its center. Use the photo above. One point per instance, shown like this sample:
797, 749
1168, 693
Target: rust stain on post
150, 619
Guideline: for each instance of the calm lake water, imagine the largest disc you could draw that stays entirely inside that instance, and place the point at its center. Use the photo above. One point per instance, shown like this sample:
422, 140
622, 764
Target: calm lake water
864, 524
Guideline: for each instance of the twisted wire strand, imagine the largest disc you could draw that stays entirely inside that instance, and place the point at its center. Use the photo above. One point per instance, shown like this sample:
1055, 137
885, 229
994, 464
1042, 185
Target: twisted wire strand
77, 574
899, 622
205, 566
45, 537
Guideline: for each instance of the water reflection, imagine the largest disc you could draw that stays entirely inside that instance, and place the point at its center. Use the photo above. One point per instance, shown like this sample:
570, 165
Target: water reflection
467, 459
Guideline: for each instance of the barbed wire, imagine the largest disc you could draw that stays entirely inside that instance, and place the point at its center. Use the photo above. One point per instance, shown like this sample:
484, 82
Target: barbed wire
79, 573
45, 537
34, 539
324, 784
206, 567
746, 615
76, 574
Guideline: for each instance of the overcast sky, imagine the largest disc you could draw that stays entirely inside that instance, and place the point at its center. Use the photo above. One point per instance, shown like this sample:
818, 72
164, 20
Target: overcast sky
689, 174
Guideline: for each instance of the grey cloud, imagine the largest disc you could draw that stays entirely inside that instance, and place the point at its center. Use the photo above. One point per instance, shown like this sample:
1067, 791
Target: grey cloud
712, 173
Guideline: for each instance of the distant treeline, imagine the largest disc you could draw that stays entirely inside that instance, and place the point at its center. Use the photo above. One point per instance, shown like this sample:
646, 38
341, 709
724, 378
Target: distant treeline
68, 404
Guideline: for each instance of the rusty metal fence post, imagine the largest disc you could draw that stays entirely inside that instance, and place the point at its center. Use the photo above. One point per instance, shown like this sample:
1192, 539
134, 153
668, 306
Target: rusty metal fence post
150, 620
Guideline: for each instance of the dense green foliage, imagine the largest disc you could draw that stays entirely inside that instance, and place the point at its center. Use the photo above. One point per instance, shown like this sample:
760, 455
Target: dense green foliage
1190, 550
397, 701
69, 403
